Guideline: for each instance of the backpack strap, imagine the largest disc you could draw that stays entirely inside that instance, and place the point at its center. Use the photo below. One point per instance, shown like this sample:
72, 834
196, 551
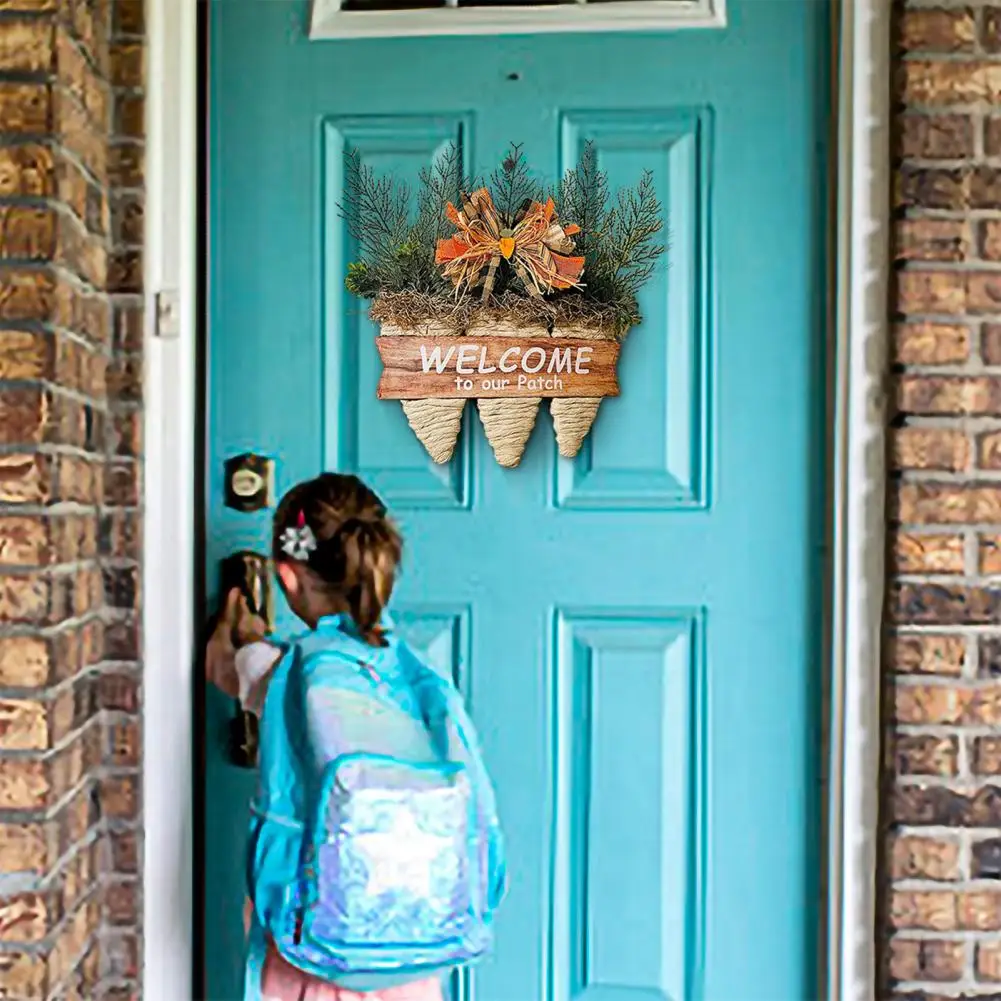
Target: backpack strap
283, 706
449, 724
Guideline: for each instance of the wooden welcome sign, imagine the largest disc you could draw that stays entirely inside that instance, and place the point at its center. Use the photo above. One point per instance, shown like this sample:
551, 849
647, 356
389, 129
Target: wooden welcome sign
450, 368
524, 296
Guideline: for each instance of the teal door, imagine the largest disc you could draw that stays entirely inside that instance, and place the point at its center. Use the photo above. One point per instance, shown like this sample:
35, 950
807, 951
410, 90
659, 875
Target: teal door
637, 630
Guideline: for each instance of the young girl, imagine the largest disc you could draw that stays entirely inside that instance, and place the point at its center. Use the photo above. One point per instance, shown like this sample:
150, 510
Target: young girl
336, 555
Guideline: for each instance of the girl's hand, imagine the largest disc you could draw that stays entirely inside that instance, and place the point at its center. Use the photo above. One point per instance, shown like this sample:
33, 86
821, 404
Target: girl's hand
235, 626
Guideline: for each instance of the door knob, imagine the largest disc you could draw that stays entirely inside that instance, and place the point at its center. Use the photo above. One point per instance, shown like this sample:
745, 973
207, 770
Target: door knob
251, 573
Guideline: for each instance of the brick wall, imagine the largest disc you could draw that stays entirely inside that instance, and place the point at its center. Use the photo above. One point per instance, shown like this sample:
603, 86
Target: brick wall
943, 663
70, 366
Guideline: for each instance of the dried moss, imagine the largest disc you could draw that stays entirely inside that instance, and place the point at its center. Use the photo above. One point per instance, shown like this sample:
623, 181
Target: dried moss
414, 310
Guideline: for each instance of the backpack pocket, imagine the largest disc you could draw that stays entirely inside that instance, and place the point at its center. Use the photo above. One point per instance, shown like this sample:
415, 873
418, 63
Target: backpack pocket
393, 876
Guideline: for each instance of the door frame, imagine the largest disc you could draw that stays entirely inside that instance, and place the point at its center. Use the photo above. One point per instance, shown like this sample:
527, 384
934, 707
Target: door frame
175, 243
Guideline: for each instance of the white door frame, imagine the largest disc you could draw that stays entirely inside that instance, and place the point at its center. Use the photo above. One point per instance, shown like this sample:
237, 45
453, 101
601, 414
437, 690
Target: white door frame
856, 583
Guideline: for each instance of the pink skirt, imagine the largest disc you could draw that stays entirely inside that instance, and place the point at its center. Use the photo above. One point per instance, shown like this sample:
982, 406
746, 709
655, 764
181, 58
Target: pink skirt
281, 981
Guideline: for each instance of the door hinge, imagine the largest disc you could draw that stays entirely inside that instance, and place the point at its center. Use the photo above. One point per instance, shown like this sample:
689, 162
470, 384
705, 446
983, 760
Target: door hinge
167, 314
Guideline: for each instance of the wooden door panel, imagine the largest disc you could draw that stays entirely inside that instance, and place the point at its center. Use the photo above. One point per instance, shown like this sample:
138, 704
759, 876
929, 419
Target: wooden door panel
649, 448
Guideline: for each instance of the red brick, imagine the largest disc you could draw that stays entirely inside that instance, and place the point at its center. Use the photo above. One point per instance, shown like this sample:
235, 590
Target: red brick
989, 450
121, 535
985, 188
24, 661
922, 704
128, 328
124, 378
129, 17
990, 344
935, 137
937, 188
130, 121
932, 292
986, 756
992, 135
121, 587
27, 45
127, 64
933, 240
121, 484
928, 553
934, 343
938, 604
25, 598
914, 857
120, 797
989, 240
941, 806
926, 653
28, 918
120, 903
125, 272
124, 744
27, 171
25, 108
949, 503
126, 165
27, 233
26, 295
989, 656
126, 433
124, 852
988, 962
934, 30
991, 33
24, 416
947, 704
926, 959
122, 640
989, 554
24, 478
983, 290
923, 754
936, 83
915, 447
128, 221
985, 858
979, 910
934, 910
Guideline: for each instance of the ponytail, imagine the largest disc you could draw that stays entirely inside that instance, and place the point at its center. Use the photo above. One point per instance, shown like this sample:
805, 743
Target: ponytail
355, 549
371, 552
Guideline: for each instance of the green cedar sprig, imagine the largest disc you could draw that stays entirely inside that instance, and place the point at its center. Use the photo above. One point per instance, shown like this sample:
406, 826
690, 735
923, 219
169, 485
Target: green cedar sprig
396, 248
620, 241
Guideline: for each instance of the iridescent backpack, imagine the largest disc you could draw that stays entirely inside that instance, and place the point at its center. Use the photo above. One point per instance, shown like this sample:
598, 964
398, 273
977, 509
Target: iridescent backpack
376, 855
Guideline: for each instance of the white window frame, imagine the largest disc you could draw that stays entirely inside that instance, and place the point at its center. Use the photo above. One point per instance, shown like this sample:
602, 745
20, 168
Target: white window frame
328, 21
172, 456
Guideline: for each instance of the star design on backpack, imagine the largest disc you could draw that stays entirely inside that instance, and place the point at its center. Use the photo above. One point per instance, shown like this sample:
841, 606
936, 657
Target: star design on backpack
401, 857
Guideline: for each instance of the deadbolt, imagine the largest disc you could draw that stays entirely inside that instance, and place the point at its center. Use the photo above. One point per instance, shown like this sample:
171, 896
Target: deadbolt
249, 482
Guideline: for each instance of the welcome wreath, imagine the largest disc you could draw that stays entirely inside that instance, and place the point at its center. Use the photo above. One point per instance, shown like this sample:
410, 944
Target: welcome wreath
500, 259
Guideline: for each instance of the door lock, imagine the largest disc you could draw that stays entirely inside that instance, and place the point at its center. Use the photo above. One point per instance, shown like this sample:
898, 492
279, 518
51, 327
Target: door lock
251, 573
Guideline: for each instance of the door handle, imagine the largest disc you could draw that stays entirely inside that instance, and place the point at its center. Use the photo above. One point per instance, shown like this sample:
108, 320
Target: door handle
250, 572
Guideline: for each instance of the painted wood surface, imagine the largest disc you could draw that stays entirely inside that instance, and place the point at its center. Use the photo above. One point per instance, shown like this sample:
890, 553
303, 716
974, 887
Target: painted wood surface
420, 368
636, 628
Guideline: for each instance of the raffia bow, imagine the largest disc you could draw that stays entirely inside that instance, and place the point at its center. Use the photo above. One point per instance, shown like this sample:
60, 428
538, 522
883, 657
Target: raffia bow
536, 244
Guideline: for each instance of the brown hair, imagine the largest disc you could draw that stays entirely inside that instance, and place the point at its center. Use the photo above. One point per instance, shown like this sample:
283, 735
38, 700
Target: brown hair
358, 548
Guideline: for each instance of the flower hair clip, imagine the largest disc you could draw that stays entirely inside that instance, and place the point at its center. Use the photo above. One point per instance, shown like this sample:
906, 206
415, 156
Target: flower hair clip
300, 541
